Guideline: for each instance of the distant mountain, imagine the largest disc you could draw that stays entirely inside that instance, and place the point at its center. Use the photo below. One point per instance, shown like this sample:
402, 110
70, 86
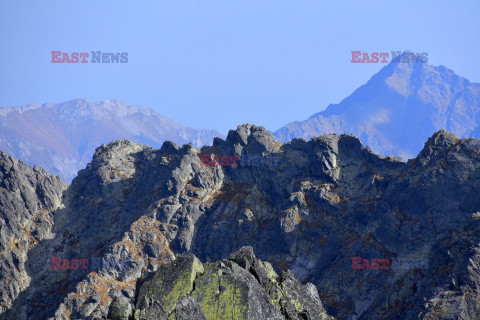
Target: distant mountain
62, 137
398, 109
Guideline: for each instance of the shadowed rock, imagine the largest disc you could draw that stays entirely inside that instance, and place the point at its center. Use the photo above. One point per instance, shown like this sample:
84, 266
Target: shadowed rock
327, 201
185, 289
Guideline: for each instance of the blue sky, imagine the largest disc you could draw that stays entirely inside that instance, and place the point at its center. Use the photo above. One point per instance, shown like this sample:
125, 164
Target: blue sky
218, 64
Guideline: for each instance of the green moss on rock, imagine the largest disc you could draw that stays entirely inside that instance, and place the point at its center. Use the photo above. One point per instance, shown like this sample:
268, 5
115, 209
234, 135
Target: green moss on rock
240, 288
221, 295
171, 282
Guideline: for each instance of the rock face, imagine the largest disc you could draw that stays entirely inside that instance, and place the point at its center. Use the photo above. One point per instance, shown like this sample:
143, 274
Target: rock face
378, 237
61, 138
242, 287
28, 200
398, 109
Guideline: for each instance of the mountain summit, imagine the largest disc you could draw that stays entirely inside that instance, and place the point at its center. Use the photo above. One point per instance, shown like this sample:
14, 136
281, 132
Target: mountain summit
398, 109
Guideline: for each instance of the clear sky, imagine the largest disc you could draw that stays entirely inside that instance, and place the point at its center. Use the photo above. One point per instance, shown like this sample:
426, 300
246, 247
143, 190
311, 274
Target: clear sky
218, 64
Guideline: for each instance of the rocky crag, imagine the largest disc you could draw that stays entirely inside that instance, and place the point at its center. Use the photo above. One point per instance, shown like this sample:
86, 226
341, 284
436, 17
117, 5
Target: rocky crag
330, 211
242, 287
28, 198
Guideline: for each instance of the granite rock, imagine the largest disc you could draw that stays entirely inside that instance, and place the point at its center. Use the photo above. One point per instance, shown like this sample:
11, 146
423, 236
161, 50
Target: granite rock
325, 204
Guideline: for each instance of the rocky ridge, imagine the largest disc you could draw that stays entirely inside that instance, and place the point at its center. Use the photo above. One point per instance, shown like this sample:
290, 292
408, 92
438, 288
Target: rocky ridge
328, 200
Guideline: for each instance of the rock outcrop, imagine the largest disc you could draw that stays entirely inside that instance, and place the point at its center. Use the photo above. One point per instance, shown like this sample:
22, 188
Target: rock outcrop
242, 287
29, 198
378, 237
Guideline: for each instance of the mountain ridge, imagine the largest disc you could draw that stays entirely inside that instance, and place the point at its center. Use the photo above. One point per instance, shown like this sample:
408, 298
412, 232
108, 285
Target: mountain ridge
329, 200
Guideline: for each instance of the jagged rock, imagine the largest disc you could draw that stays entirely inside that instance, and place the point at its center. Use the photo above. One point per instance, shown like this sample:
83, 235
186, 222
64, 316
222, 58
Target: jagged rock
28, 200
326, 201
228, 289
120, 309
172, 281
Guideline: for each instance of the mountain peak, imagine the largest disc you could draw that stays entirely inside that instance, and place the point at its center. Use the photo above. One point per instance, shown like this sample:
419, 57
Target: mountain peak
398, 109
442, 138
438, 143
255, 139
85, 108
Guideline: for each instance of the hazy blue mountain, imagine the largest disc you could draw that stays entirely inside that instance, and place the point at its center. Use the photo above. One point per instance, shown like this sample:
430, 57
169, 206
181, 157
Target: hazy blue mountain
62, 137
398, 109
